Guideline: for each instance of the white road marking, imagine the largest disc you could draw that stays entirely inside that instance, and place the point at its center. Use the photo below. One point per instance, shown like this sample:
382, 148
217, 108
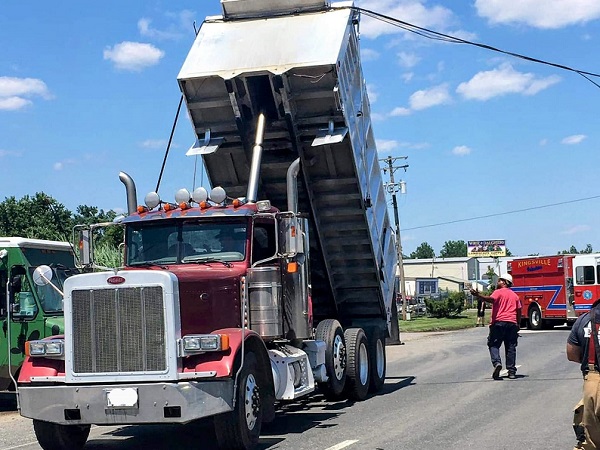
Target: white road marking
22, 445
343, 445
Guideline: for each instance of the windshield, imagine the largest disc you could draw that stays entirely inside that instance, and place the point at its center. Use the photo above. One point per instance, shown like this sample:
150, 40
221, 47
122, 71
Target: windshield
50, 298
185, 242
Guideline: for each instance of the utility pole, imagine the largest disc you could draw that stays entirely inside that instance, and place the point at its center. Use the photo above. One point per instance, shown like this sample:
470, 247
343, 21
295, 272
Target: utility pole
392, 188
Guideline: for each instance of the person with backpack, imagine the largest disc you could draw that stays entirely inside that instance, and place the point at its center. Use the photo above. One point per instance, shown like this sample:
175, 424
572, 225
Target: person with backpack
583, 347
504, 325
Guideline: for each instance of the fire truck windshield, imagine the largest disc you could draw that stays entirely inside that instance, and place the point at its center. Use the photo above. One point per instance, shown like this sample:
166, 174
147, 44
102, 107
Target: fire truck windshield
185, 242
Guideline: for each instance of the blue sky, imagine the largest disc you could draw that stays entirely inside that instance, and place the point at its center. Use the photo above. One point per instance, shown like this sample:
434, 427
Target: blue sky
89, 89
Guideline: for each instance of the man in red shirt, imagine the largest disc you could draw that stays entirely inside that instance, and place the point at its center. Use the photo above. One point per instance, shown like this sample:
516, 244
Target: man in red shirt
504, 325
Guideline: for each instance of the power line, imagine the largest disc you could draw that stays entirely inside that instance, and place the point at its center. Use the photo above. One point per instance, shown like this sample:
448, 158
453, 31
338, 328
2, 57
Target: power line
430, 34
502, 213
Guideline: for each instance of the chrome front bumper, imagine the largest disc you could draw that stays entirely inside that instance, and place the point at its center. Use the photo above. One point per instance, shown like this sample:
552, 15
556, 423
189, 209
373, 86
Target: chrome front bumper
152, 403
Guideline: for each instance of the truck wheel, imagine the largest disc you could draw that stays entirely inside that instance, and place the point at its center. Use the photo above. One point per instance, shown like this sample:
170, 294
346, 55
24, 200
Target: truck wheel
377, 359
240, 428
330, 331
358, 376
53, 436
535, 318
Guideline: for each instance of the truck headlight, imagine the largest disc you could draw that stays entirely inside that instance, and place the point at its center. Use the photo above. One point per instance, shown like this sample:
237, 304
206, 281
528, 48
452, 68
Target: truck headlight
52, 348
200, 343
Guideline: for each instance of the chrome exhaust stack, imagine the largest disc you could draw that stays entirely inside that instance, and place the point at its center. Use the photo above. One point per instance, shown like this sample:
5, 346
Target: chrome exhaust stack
292, 186
252, 194
131, 192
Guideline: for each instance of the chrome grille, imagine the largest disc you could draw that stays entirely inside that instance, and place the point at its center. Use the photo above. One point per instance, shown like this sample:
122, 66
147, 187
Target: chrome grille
118, 330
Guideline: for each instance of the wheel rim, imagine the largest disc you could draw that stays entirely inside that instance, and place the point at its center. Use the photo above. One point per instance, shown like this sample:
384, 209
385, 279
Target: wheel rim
535, 317
251, 402
339, 357
363, 361
379, 358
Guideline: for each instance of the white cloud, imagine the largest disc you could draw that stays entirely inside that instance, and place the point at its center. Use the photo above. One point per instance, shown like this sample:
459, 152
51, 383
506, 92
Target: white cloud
5, 153
426, 98
13, 103
153, 143
368, 54
501, 81
372, 93
411, 11
407, 76
461, 150
385, 145
15, 92
544, 142
577, 229
400, 111
145, 29
548, 14
407, 60
133, 56
58, 166
574, 140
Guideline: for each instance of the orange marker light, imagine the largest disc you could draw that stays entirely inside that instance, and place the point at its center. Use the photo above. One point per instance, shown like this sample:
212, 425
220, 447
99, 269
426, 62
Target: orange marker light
141, 209
224, 342
292, 267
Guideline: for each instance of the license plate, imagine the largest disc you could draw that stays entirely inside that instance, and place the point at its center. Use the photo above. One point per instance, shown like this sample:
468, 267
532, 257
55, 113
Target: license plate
122, 398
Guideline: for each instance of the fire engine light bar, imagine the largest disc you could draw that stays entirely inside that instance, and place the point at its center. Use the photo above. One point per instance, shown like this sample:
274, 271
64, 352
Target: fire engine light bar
52, 348
194, 344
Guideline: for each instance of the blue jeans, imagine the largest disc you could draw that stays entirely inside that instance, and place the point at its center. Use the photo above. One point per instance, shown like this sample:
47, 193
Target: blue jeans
504, 333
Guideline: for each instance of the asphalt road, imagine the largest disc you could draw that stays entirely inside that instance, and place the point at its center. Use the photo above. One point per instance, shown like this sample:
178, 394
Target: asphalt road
438, 395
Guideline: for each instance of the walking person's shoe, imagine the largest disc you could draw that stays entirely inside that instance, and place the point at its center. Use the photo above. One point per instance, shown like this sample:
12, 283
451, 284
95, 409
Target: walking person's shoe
512, 375
496, 372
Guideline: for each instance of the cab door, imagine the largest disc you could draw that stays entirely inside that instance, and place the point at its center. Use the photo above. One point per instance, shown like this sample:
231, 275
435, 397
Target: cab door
22, 322
4, 347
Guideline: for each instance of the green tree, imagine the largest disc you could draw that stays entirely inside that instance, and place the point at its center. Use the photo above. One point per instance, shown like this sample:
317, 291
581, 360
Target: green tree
37, 217
573, 250
423, 251
453, 249
110, 236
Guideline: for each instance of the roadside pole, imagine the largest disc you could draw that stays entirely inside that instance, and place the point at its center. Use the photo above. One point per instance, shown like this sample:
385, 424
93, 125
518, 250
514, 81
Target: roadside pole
392, 188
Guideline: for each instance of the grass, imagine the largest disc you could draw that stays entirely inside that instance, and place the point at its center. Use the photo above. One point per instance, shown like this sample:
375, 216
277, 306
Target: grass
467, 319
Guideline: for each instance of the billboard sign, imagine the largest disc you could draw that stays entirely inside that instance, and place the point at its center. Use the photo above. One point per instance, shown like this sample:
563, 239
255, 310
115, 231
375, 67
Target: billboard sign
492, 248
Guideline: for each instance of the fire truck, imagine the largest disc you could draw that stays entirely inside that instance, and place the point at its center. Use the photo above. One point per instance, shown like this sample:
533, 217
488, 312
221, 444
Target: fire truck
555, 289
275, 282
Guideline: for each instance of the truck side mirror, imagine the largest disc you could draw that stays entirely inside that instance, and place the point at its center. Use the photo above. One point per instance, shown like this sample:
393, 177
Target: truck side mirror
85, 256
42, 275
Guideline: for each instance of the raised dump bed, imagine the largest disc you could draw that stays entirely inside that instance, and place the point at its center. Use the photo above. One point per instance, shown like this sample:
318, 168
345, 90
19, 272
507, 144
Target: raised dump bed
298, 63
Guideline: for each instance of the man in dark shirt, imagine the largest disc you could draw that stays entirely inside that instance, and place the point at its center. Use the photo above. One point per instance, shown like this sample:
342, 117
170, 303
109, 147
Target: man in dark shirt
583, 350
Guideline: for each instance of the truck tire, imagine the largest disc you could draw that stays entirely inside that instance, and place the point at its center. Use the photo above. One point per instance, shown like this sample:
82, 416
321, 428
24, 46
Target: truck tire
53, 436
240, 428
358, 375
330, 331
377, 359
535, 318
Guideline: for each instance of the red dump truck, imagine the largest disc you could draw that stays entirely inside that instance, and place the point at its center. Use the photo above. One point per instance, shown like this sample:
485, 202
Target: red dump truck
555, 289
275, 282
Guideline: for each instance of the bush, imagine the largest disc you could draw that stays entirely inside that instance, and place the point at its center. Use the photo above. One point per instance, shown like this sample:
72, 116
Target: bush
108, 256
451, 306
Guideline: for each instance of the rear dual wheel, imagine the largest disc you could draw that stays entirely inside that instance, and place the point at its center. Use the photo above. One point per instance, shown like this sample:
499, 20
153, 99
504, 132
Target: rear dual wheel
330, 331
377, 358
358, 368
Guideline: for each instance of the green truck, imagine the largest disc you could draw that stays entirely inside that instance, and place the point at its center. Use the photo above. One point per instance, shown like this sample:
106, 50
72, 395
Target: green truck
29, 311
